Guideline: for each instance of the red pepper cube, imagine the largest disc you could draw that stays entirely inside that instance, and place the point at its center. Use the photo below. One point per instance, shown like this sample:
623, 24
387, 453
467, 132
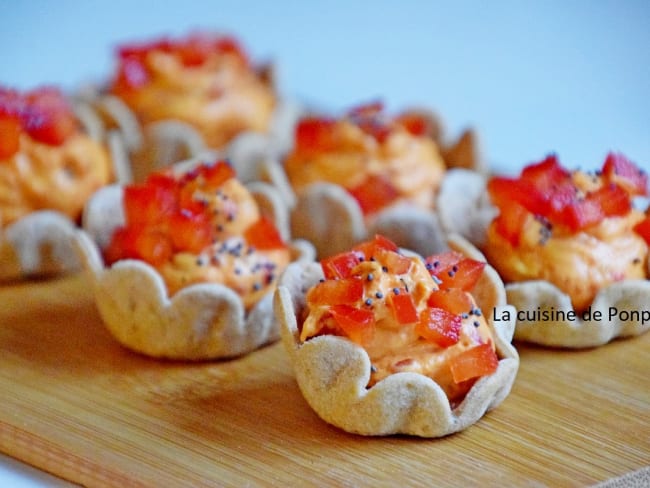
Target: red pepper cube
374, 193
316, 135
473, 363
264, 235
356, 323
340, 265
453, 300
369, 248
582, 214
618, 169
439, 326
216, 174
9, 136
503, 191
643, 229
612, 199
546, 174
48, 117
510, 221
402, 307
190, 232
336, 292
146, 204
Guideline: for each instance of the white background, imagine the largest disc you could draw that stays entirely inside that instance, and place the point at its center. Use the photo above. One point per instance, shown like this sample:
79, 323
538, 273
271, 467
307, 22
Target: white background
571, 77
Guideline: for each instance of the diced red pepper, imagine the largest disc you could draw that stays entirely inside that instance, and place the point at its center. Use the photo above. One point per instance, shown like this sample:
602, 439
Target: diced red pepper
190, 232
454, 270
264, 235
402, 307
510, 221
374, 193
620, 170
583, 213
147, 244
643, 229
546, 174
453, 300
370, 248
395, 263
612, 199
48, 118
357, 323
504, 190
340, 265
216, 174
316, 135
438, 264
336, 292
439, 326
473, 363
9, 136
147, 205
415, 123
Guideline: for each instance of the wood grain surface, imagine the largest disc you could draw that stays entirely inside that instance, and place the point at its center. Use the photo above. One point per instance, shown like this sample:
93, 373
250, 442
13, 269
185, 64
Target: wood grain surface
78, 405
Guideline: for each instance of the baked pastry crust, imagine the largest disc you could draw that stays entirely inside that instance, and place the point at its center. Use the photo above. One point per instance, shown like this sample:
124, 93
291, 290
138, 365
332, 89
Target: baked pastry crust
333, 372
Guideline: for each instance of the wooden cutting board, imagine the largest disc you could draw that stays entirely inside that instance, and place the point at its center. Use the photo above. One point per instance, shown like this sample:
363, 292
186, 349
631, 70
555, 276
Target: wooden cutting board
78, 405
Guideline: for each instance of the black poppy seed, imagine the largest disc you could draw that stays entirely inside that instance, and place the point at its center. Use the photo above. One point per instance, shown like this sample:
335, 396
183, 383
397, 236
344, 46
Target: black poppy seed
379, 294
464, 316
200, 261
373, 368
368, 301
370, 277
636, 260
477, 323
237, 271
384, 269
451, 274
477, 312
372, 258
396, 291
251, 250
429, 266
436, 264
257, 287
219, 228
269, 278
322, 280
230, 217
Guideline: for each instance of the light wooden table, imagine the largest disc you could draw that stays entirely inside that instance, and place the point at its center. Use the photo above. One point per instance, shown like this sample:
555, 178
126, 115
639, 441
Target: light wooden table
77, 404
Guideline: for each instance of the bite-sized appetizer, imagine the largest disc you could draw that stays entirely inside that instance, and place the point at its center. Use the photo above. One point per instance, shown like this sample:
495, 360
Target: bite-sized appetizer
566, 242
204, 79
47, 161
51, 161
193, 257
365, 173
383, 341
379, 160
